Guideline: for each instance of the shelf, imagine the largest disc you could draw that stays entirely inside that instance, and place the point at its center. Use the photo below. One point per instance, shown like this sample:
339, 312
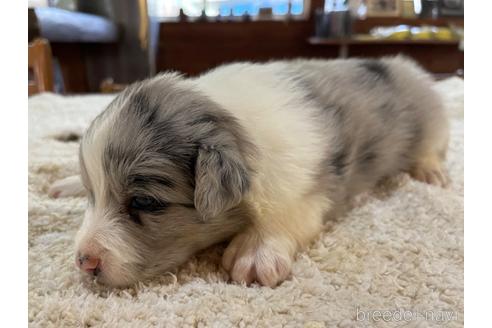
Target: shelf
355, 41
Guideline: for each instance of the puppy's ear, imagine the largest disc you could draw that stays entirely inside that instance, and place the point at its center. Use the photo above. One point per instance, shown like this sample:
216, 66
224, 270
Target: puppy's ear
221, 180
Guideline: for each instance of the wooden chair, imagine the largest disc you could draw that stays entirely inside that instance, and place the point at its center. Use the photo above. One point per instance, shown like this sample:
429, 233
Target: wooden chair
40, 67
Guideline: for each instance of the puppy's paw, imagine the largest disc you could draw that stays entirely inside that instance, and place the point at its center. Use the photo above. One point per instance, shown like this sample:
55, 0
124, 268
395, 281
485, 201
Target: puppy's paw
248, 259
68, 187
430, 172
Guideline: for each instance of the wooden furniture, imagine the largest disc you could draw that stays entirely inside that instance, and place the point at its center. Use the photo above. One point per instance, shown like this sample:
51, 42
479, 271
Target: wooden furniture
344, 44
443, 58
40, 67
101, 39
77, 40
195, 47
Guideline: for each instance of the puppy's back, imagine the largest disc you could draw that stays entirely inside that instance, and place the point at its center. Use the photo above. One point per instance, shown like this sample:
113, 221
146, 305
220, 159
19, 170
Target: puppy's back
384, 112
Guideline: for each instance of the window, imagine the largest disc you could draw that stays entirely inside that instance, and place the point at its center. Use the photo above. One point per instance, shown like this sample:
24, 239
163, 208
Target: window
225, 8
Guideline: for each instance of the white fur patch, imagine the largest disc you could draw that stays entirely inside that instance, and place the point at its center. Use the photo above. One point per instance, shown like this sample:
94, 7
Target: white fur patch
284, 130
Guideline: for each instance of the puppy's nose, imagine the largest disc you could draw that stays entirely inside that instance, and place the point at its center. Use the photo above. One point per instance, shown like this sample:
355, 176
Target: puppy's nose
89, 264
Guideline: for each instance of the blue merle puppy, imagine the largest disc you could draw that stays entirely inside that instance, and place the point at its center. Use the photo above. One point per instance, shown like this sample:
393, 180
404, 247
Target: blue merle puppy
258, 154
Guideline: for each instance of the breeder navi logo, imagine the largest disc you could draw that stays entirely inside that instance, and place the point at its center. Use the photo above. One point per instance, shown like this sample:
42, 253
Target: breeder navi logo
404, 315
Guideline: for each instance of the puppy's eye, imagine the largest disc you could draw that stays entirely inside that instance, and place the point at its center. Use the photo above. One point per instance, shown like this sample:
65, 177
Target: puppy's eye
144, 203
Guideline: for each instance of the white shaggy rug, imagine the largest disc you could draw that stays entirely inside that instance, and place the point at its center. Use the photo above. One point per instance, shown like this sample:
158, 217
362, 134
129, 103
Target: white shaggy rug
400, 252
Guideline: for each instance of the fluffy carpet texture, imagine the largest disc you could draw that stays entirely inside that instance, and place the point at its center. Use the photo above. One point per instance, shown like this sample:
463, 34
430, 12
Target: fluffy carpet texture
399, 251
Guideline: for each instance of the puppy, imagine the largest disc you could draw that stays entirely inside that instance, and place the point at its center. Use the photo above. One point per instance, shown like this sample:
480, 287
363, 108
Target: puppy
256, 153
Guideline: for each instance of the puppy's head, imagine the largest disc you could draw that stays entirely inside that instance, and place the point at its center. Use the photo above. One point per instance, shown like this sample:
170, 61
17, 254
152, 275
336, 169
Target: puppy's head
166, 171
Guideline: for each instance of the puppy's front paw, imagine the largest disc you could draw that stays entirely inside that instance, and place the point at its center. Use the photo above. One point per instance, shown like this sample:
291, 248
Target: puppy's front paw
71, 186
249, 258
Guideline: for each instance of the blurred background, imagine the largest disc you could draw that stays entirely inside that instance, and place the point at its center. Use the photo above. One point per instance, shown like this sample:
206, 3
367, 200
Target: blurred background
92, 46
